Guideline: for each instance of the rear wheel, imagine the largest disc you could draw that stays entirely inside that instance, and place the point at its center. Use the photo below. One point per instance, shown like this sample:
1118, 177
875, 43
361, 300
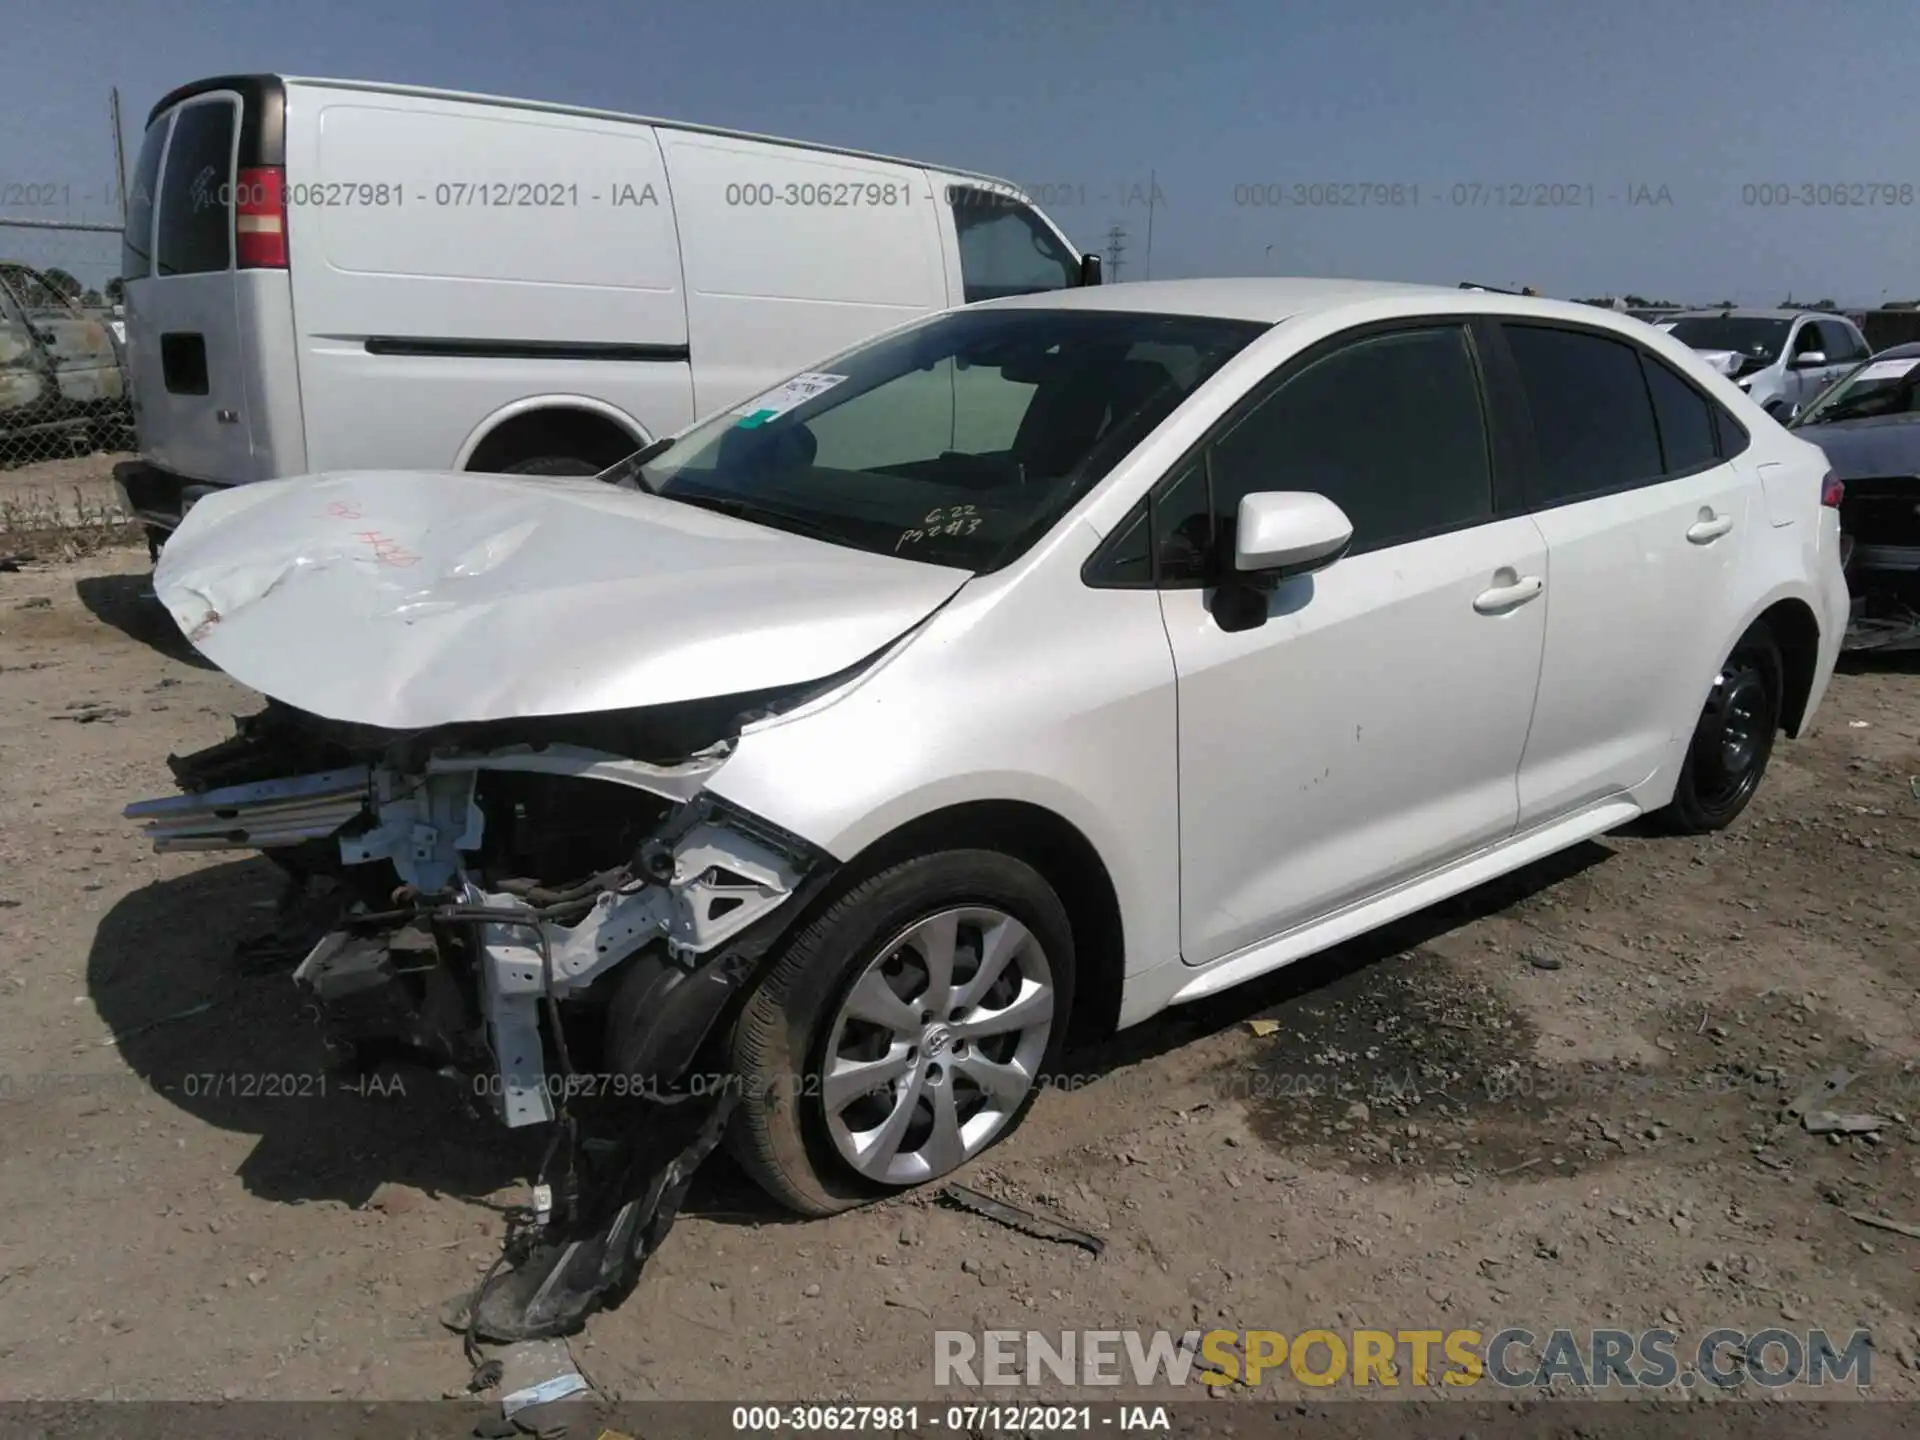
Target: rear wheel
1733, 739
903, 1032
551, 465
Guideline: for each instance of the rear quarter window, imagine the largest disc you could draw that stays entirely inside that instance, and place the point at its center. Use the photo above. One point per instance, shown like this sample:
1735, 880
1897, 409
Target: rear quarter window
195, 233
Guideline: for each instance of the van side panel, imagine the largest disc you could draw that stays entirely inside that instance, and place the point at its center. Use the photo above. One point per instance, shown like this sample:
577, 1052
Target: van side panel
510, 256
792, 254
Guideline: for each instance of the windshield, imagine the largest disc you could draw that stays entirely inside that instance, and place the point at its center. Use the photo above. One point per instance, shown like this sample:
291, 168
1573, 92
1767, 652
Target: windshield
958, 442
1879, 387
1749, 335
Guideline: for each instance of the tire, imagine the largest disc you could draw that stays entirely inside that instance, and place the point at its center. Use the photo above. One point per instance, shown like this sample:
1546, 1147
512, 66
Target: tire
786, 1136
1732, 740
552, 465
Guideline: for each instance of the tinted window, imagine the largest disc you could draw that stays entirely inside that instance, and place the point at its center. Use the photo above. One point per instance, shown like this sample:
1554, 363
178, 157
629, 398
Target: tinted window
1005, 249
959, 441
136, 248
1807, 338
1837, 340
196, 226
1593, 424
1389, 428
1685, 416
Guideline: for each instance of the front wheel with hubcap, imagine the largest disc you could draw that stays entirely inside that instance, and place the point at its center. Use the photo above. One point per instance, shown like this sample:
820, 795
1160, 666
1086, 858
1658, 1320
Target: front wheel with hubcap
1732, 739
903, 1031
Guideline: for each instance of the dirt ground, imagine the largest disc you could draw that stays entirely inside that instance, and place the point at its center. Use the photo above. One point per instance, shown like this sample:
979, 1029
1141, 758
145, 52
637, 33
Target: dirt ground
1557, 1102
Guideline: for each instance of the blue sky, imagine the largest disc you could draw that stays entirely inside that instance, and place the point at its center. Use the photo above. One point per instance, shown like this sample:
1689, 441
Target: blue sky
1082, 102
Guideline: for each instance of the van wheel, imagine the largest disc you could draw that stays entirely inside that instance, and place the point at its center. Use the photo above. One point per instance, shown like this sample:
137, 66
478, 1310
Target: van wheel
551, 465
903, 1032
1732, 740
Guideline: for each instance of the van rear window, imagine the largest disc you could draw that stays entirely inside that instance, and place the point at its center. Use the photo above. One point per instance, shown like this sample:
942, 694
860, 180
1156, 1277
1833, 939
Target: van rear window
136, 248
195, 234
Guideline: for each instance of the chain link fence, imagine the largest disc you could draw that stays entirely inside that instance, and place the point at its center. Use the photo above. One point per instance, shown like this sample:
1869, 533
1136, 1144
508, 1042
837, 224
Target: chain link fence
66, 409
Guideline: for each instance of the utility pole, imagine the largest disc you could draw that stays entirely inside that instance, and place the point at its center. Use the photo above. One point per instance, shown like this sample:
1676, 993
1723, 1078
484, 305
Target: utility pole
1116, 248
119, 155
1153, 188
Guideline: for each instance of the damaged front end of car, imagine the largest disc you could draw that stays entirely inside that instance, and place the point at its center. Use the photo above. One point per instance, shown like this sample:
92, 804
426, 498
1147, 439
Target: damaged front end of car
554, 909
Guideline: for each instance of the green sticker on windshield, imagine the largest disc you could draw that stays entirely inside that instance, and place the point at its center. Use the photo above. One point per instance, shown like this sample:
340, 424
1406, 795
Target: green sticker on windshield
776, 402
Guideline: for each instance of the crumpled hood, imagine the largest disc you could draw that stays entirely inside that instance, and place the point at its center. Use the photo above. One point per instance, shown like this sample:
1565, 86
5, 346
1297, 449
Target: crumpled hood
1873, 447
410, 600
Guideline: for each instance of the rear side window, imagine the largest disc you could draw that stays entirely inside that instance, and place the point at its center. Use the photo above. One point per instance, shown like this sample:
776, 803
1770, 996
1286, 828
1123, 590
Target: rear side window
196, 197
136, 247
1006, 249
1593, 421
1685, 417
1389, 428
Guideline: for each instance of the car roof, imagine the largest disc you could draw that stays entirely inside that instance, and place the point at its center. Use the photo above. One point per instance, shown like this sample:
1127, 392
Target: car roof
1904, 351
1271, 299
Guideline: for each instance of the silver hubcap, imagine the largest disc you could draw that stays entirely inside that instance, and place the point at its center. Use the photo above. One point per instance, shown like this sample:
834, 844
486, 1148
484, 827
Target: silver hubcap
937, 1044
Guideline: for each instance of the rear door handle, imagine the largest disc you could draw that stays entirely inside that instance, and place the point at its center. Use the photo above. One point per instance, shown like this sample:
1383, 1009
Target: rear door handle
1706, 531
1510, 595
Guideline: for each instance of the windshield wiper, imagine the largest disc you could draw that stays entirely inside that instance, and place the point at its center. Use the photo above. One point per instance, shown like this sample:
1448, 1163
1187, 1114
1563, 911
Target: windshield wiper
761, 515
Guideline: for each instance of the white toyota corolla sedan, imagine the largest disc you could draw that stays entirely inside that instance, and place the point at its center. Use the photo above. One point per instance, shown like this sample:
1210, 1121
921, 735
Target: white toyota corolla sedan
1036, 666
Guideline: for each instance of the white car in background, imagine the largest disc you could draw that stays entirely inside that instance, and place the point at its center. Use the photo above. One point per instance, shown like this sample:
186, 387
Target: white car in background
1782, 358
1034, 667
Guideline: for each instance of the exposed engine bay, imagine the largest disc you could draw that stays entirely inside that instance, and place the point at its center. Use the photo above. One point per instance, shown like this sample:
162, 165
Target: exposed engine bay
542, 909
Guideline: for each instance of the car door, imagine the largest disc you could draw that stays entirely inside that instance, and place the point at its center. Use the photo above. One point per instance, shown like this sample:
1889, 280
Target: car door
1844, 349
1370, 729
1644, 507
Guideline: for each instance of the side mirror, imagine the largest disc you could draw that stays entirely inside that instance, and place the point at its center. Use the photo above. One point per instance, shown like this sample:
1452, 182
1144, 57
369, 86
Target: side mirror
1089, 269
1807, 359
1283, 533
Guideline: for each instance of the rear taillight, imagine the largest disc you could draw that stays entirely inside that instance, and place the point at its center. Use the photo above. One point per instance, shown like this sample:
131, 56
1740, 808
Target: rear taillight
1832, 491
260, 219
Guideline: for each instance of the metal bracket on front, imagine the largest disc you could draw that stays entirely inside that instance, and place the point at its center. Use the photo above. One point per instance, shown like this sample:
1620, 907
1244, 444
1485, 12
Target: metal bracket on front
722, 883
422, 828
513, 978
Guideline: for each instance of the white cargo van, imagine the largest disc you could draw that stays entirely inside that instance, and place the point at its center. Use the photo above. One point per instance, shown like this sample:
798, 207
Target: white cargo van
331, 275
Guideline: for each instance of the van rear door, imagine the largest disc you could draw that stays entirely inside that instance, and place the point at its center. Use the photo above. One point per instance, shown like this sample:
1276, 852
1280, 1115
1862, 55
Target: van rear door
208, 316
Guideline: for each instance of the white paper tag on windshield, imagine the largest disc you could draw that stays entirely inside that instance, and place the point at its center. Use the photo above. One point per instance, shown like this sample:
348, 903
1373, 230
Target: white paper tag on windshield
776, 402
1887, 369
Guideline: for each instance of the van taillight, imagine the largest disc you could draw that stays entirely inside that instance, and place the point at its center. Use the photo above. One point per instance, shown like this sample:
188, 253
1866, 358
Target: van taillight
260, 219
1832, 491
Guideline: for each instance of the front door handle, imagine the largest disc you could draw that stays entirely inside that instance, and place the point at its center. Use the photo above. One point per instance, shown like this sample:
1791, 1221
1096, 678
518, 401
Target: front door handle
1709, 528
1509, 594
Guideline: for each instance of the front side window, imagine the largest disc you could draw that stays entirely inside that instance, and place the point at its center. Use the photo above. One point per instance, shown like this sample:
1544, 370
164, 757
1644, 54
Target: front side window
1005, 248
1389, 427
196, 200
1593, 422
1837, 340
957, 442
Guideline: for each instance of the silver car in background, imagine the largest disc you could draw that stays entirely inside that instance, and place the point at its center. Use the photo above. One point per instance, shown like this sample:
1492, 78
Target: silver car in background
1782, 358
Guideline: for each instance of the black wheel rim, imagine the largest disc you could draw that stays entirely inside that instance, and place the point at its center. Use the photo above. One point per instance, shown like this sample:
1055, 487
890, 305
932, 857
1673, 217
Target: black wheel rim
1732, 742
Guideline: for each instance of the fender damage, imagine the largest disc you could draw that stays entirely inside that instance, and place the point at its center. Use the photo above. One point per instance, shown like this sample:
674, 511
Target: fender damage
487, 739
